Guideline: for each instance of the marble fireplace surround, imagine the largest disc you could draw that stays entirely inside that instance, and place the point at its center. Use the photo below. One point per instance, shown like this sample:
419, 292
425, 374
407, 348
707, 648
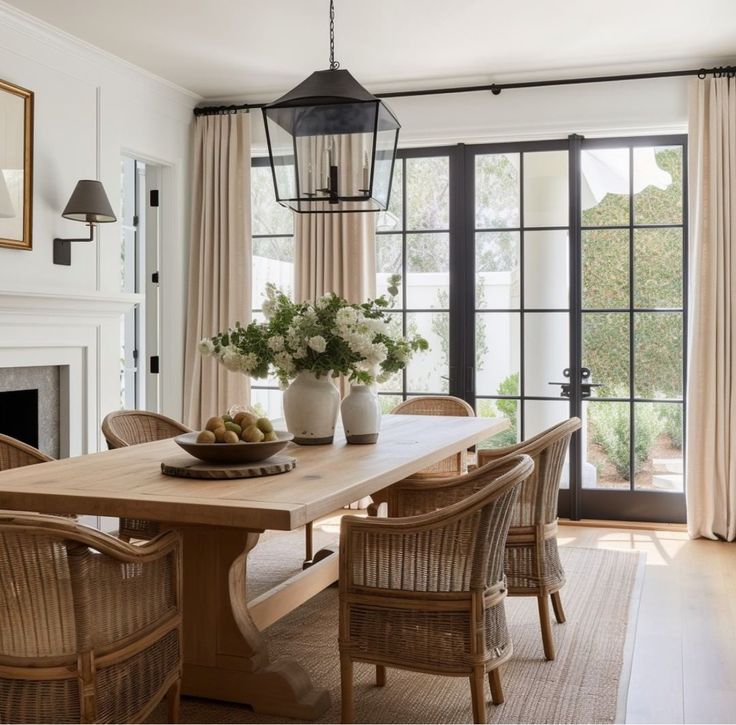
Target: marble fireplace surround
81, 335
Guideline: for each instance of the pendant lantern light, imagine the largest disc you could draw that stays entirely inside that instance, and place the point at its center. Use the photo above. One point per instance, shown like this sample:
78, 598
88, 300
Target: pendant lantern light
331, 143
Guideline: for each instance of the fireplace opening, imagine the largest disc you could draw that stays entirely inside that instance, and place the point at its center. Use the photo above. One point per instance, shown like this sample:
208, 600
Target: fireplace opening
19, 415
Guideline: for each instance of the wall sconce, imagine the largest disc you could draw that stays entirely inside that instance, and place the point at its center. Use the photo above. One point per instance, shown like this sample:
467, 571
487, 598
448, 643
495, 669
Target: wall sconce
88, 203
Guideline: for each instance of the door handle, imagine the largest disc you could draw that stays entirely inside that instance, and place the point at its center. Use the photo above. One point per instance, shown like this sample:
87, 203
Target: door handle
585, 384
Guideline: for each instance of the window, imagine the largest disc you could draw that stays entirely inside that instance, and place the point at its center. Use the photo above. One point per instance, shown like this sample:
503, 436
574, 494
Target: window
273, 261
413, 241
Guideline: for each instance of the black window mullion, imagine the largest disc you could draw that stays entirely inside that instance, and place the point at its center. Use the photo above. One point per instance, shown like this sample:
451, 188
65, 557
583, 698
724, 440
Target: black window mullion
632, 297
522, 295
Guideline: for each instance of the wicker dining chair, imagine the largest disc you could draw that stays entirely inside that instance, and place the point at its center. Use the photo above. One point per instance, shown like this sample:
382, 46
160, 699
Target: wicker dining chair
129, 428
533, 567
426, 591
90, 626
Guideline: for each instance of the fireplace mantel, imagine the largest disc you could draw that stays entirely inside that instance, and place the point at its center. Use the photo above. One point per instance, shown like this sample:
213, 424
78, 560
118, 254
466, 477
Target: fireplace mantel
80, 333
63, 303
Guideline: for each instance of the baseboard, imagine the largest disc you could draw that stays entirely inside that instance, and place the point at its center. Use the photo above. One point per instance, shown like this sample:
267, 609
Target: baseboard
610, 524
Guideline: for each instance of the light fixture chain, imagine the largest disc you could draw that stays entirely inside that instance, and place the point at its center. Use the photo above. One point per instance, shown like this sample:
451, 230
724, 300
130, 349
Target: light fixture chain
334, 65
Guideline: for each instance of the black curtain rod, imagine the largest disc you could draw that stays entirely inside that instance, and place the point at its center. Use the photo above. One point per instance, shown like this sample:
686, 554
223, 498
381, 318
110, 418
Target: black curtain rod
496, 88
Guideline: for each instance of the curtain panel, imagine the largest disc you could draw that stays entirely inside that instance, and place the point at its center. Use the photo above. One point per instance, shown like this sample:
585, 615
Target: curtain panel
219, 291
711, 424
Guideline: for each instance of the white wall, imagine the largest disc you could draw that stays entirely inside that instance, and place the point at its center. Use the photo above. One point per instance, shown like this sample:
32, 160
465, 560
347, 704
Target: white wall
90, 108
601, 109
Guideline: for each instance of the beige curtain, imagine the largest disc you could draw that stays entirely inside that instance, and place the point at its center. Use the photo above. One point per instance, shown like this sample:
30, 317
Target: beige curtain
711, 425
219, 260
335, 253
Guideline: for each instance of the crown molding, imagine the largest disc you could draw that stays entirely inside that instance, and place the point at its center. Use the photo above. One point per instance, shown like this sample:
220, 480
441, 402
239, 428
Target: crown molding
11, 18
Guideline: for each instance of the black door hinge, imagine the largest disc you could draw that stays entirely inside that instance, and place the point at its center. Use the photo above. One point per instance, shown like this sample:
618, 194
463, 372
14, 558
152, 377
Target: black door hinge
154, 278
135, 220
154, 364
154, 197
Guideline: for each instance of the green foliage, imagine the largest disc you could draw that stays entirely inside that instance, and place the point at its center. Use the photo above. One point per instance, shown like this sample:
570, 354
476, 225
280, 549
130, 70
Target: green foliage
611, 432
657, 283
329, 337
671, 418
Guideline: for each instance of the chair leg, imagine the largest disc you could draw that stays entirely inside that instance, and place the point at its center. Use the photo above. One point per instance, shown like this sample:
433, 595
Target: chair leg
173, 700
308, 543
494, 680
380, 676
478, 695
547, 640
557, 607
346, 687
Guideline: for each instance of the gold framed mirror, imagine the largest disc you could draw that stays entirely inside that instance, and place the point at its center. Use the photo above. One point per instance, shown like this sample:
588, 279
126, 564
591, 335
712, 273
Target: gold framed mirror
16, 166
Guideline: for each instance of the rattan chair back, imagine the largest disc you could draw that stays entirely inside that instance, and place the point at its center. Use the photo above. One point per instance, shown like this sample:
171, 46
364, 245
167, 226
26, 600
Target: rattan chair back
123, 428
131, 427
90, 626
438, 405
15, 453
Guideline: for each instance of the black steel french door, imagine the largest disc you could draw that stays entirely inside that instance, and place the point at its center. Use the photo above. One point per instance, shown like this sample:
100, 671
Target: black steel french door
573, 285
550, 280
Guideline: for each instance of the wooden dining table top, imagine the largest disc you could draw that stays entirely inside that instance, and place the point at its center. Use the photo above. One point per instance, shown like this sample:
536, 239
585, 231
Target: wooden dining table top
128, 481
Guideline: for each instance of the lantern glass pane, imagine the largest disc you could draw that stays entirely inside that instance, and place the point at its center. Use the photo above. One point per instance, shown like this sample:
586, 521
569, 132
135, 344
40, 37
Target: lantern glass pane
283, 160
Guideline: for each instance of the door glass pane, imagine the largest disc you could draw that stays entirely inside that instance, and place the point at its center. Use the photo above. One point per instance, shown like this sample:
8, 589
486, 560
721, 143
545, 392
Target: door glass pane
388, 261
658, 194
509, 409
428, 271
391, 219
497, 191
546, 352
605, 268
658, 354
428, 193
606, 443
546, 270
658, 267
497, 336
273, 261
545, 189
429, 371
606, 352
604, 187
497, 270
658, 448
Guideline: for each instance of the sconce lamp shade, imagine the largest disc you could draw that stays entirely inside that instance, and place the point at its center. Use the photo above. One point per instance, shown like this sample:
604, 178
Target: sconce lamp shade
89, 203
7, 210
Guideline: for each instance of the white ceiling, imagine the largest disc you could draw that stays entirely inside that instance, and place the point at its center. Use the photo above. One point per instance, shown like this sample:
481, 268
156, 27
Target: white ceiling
256, 49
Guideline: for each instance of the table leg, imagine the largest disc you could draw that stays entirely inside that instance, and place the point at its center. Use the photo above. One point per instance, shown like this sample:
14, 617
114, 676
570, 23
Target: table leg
225, 655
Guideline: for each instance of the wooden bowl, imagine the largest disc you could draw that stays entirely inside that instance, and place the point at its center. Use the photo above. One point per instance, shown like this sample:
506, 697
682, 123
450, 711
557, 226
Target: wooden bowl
240, 452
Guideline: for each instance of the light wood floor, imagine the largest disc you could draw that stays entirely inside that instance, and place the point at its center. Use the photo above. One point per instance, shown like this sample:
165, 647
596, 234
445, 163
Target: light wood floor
684, 659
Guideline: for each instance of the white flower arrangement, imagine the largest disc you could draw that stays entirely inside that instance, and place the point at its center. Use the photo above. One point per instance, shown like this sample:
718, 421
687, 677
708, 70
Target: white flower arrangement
330, 337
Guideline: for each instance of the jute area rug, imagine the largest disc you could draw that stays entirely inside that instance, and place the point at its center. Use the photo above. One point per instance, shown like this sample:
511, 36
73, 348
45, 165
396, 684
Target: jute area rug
580, 686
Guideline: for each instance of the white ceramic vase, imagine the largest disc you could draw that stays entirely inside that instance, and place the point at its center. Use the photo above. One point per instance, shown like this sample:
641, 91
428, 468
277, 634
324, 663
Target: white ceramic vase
311, 405
361, 415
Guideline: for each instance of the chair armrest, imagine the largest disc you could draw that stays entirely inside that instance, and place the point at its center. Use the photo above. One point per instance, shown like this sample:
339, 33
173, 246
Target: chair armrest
416, 496
486, 455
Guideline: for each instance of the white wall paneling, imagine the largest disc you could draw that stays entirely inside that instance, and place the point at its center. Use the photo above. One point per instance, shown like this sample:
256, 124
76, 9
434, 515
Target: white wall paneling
89, 109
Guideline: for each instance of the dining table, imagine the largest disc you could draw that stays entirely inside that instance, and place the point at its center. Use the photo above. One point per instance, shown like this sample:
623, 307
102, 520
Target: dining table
225, 636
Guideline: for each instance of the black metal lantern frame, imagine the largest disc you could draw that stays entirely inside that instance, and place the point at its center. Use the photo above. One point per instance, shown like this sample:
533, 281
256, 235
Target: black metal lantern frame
331, 144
